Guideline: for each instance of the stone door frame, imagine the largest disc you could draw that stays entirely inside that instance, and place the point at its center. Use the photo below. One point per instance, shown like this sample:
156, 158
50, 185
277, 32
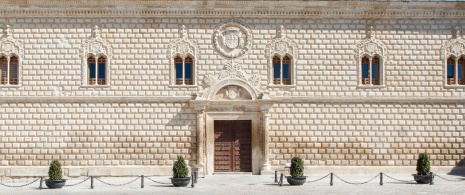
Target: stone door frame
257, 150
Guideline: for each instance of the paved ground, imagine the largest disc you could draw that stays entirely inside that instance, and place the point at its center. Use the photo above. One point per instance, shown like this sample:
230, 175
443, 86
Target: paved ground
253, 184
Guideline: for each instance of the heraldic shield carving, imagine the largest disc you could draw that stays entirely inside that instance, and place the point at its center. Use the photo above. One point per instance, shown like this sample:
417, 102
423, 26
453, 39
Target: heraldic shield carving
232, 39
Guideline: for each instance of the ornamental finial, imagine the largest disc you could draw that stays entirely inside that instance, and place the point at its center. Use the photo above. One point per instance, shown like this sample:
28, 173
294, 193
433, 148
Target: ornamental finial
183, 32
281, 32
456, 33
370, 32
96, 32
7, 31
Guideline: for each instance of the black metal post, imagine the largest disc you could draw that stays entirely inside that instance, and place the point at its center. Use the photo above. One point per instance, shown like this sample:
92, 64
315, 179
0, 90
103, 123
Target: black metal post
41, 180
381, 178
91, 182
431, 174
331, 180
281, 180
196, 174
142, 181
193, 178
275, 176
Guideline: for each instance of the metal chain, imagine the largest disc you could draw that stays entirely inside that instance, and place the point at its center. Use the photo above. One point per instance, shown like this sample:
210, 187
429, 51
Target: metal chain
457, 180
132, 181
405, 181
20, 185
319, 179
79, 182
357, 183
157, 181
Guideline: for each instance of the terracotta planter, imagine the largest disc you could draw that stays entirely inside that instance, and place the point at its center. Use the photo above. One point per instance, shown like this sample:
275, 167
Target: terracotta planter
422, 179
296, 181
180, 182
55, 184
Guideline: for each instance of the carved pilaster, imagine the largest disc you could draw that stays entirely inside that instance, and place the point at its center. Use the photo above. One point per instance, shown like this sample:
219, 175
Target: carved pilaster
201, 137
266, 138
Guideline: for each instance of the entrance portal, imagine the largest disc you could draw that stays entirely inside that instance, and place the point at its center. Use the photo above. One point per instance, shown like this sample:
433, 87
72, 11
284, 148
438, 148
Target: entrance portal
233, 145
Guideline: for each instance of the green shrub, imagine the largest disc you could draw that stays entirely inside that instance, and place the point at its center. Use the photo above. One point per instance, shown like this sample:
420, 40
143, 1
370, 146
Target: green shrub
54, 172
297, 167
423, 165
180, 169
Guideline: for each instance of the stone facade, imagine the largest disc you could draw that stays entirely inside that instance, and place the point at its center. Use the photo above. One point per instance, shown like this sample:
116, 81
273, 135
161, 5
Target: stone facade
140, 120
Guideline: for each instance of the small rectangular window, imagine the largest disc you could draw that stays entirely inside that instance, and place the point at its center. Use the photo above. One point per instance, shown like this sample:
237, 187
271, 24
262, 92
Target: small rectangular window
92, 70
276, 71
179, 70
450, 71
285, 71
365, 71
188, 72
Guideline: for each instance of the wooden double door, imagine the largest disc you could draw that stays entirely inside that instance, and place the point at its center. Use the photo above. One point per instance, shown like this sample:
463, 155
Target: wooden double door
233, 146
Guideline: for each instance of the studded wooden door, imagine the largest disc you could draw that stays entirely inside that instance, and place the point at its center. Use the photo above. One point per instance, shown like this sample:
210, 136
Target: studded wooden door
233, 146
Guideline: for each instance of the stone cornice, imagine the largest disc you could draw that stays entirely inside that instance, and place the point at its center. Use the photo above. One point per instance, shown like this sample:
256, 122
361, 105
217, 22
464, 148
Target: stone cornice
231, 9
159, 99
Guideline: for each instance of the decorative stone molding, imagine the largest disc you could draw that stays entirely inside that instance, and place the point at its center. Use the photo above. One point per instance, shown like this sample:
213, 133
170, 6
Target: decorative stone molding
454, 47
228, 8
281, 46
232, 74
232, 39
182, 47
232, 92
96, 46
371, 47
11, 47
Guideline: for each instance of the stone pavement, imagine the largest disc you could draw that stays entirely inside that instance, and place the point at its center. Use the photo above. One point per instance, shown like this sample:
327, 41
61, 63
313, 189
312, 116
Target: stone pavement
253, 184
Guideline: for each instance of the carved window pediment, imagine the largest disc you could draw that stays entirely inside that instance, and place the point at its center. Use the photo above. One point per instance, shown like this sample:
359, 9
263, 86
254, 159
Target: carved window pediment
12, 52
182, 47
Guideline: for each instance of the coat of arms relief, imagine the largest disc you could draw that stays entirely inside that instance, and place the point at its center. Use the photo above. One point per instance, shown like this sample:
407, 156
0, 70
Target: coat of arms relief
10, 46
232, 39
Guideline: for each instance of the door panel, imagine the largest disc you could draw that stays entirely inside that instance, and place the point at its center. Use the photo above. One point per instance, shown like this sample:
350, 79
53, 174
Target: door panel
233, 145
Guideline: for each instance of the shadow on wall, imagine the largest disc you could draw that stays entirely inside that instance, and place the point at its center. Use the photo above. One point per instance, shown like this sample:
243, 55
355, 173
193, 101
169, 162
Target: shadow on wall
459, 168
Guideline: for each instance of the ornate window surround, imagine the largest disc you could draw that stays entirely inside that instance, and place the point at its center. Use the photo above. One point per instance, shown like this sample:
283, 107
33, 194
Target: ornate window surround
281, 46
371, 47
11, 47
96, 47
183, 47
455, 48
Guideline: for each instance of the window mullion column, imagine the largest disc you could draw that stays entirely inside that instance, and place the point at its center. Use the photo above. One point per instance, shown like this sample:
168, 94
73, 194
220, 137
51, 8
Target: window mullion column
456, 72
183, 71
8, 69
96, 70
281, 71
370, 66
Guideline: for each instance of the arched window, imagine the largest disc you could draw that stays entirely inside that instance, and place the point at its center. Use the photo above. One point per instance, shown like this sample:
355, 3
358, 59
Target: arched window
9, 70
281, 73
96, 71
455, 71
184, 70
370, 71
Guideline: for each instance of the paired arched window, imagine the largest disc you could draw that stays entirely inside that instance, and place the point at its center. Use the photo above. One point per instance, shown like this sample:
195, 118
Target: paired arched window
371, 74
281, 70
9, 70
455, 71
96, 70
184, 70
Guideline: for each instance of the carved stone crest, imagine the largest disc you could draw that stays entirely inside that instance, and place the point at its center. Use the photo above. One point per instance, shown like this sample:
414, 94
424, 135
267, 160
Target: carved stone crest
9, 45
232, 92
232, 39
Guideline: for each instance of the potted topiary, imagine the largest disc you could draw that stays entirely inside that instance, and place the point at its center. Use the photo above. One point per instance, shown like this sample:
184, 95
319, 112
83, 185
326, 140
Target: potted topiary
55, 175
297, 172
180, 173
423, 175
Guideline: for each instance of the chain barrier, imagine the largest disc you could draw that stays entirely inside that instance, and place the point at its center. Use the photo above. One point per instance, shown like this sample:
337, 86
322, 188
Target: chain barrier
456, 180
20, 185
399, 180
158, 181
355, 183
79, 182
123, 184
319, 179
